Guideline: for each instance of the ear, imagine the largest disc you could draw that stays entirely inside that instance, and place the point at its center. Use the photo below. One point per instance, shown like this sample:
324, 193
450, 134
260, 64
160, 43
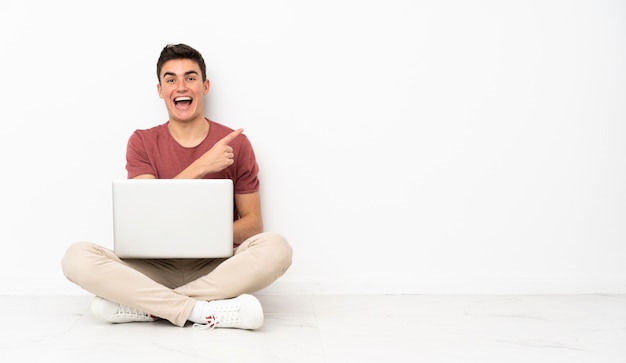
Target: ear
159, 90
207, 85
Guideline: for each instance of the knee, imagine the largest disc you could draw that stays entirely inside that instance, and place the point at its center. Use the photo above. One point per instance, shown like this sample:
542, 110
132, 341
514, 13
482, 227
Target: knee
74, 259
282, 251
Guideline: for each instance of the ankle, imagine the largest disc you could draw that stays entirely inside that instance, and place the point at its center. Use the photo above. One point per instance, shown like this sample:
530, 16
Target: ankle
198, 313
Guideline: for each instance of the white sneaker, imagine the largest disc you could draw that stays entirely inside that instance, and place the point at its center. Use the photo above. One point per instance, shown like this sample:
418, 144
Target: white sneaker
242, 312
117, 313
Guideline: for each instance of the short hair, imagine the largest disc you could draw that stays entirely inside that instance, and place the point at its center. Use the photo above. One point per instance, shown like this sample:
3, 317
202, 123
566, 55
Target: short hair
180, 51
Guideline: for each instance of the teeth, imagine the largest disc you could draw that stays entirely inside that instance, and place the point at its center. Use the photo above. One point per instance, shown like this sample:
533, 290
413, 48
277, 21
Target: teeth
182, 99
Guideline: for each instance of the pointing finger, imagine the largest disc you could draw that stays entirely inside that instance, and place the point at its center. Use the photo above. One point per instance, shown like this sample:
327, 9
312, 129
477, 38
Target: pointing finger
228, 138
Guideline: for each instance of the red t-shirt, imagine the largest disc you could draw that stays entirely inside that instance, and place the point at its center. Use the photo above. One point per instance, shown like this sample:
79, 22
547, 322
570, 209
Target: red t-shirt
154, 151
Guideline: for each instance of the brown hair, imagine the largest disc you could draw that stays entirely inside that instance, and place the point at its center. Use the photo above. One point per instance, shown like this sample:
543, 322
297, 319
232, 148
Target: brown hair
180, 51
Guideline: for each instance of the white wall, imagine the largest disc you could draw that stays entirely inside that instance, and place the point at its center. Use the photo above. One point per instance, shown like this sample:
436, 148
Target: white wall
405, 146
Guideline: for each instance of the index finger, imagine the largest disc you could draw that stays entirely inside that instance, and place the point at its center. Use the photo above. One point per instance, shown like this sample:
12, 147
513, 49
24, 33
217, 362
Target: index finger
228, 138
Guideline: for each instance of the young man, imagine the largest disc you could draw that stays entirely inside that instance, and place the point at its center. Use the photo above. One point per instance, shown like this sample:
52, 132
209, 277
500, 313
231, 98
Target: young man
207, 292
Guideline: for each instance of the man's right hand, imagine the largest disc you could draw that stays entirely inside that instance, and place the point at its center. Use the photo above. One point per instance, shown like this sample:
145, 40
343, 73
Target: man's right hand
218, 158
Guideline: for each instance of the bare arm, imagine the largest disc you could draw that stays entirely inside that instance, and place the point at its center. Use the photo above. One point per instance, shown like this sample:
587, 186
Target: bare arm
250, 221
218, 158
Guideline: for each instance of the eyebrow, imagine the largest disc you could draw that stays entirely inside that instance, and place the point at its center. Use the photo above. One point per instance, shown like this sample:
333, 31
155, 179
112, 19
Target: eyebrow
173, 74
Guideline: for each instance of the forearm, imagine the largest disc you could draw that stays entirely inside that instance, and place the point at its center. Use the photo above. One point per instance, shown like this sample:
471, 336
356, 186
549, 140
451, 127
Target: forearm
218, 158
191, 172
246, 227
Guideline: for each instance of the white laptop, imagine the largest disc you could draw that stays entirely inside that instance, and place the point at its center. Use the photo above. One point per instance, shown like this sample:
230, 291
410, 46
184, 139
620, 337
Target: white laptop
173, 218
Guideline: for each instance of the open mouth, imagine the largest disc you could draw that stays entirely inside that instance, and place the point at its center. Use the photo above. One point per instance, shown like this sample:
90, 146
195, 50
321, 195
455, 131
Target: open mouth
182, 102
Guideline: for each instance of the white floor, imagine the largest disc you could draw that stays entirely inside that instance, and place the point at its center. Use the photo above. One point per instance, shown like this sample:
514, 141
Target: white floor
406, 328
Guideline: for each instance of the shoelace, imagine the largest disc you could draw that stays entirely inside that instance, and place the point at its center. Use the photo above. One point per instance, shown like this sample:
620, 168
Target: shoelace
128, 312
210, 325
225, 315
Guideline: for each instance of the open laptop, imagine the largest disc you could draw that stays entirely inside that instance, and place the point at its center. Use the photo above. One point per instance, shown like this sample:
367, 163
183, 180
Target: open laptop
173, 218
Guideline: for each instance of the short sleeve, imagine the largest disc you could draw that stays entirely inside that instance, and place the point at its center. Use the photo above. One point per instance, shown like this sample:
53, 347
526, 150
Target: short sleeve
137, 160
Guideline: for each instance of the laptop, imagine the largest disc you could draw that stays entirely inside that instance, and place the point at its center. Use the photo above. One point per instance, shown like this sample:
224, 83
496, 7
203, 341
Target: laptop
173, 218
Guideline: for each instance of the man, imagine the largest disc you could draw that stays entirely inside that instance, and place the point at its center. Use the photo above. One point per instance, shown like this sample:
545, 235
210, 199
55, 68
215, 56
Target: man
207, 292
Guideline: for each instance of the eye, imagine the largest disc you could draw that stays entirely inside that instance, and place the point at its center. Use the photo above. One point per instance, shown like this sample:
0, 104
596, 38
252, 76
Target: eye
170, 80
191, 78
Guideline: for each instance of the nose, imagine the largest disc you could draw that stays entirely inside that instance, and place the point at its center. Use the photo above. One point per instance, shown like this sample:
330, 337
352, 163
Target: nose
181, 86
